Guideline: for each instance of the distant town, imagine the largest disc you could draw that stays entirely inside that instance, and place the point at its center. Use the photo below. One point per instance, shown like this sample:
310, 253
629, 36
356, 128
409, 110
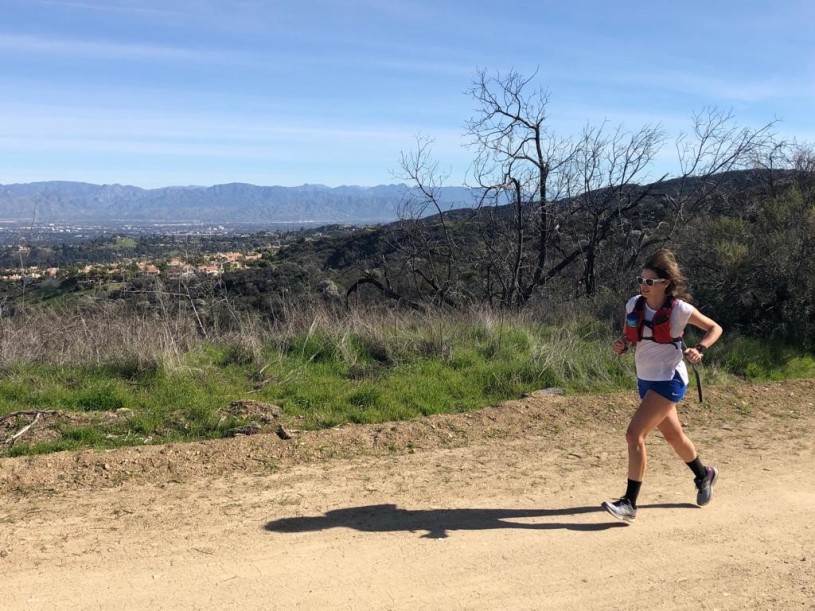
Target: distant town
173, 269
17, 231
170, 251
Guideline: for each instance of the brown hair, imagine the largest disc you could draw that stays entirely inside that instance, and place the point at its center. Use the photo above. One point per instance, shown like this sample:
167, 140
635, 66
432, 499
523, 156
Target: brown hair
663, 263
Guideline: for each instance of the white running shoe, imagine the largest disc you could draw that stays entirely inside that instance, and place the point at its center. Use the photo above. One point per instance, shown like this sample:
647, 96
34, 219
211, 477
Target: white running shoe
621, 509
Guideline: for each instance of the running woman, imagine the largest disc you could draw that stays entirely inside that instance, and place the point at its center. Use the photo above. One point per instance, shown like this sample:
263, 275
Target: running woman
656, 321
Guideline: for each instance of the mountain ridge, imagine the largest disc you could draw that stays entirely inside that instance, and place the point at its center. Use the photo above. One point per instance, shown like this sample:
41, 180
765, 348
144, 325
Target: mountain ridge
68, 201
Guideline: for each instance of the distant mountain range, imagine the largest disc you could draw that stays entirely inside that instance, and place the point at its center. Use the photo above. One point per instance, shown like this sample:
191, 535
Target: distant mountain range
60, 201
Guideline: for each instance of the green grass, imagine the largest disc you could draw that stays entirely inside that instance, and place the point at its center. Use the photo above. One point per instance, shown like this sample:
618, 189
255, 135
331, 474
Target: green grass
332, 376
763, 361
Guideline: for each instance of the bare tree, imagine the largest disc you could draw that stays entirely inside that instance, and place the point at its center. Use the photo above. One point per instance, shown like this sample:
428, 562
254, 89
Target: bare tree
567, 197
603, 191
518, 162
550, 207
716, 146
582, 201
423, 251
428, 245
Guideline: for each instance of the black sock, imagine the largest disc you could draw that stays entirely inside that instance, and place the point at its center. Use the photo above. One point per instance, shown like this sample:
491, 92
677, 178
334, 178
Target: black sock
697, 467
633, 491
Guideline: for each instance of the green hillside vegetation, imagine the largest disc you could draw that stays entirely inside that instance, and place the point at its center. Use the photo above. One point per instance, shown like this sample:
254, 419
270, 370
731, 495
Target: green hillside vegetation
442, 310
148, 360
134, 380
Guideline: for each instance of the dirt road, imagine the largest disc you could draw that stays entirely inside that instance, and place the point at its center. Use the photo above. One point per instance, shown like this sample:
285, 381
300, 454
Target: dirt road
494, 510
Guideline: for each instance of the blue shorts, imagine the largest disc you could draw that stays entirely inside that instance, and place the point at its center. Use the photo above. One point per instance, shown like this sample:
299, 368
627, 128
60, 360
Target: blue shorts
673, 390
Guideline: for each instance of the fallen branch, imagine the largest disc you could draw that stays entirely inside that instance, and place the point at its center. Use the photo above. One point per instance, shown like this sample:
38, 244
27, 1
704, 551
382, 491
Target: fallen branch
37, 413
28, 412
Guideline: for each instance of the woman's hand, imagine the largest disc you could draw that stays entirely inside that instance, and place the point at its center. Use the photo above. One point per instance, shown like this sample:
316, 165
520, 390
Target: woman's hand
619, 346
693, 356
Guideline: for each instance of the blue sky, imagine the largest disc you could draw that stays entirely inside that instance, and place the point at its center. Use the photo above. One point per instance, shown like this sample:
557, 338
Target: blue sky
178, 92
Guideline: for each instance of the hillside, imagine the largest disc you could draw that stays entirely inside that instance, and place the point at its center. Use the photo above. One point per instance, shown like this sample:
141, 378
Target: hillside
755, 229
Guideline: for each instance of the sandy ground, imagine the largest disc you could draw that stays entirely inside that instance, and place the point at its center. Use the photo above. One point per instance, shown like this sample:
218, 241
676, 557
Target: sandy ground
498, 509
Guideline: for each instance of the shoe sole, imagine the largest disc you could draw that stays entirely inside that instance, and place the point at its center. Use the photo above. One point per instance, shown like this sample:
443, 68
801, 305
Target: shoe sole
712, 483
628, 519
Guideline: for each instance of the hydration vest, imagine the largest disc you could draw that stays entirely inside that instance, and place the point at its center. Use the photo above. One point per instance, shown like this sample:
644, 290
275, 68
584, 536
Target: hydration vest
660, 325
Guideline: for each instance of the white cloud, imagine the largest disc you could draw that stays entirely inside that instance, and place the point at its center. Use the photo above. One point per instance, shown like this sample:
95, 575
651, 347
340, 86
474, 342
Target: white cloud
110, 6
106, 49
112, 122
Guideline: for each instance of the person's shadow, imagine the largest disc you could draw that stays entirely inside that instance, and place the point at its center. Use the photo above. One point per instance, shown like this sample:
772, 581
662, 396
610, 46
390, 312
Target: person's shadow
437, 522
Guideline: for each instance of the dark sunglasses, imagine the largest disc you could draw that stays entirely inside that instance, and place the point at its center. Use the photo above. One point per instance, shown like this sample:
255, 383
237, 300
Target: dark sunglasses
650, 281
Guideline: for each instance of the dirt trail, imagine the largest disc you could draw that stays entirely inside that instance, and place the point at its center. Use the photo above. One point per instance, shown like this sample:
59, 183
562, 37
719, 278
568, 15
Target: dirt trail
494, 510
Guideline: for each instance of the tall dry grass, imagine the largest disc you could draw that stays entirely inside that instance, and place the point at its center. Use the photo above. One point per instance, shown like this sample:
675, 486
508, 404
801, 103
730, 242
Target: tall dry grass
104, 332
94, 333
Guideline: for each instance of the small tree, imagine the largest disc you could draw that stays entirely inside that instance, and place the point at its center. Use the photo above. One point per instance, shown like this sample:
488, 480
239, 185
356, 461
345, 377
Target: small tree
427, 246
756, 270
422, 260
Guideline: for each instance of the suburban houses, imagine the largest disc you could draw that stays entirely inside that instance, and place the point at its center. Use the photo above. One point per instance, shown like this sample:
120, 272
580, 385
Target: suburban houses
173, 269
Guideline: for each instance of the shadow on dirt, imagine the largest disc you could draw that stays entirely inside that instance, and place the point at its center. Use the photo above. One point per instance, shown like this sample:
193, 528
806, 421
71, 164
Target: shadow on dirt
438, 522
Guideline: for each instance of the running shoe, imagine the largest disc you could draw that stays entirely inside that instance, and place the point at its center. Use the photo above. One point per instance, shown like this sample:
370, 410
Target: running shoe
621, 509
704, 486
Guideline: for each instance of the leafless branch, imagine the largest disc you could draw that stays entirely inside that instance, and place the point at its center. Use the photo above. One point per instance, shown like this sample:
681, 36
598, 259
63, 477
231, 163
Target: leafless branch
36, 413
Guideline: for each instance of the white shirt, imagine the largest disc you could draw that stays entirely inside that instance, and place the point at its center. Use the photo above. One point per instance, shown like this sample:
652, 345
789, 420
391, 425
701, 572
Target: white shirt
657, 362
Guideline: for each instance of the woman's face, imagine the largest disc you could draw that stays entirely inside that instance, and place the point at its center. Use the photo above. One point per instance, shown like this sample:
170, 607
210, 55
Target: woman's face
651, 285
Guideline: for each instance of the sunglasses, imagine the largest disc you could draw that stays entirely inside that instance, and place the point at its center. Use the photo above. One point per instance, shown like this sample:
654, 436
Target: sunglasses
650, 281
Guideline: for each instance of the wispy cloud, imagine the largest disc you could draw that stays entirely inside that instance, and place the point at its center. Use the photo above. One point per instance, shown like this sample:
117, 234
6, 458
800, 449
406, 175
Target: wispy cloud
49, 128
106, 49
118, 121
110, 7
116, 144
110, 50
734, 88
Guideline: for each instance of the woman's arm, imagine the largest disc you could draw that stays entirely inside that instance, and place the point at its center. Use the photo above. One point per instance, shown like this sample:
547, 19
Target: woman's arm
712, 333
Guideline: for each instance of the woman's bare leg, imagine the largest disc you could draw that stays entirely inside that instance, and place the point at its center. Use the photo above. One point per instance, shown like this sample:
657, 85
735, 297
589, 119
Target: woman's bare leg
671, 430
652, 411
